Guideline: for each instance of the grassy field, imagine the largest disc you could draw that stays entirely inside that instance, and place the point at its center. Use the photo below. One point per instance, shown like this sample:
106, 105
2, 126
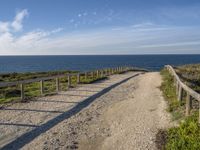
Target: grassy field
13, 93
187, 135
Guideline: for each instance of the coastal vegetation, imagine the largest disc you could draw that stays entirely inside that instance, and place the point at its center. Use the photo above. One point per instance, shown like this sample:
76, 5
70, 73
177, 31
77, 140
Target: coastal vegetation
190, 74
13, 93
187, 134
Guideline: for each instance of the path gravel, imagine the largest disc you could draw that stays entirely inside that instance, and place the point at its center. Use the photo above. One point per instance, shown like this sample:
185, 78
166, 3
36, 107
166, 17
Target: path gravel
127, 116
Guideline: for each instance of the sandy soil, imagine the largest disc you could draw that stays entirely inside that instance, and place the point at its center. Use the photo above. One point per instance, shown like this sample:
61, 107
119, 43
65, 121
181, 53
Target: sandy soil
127, 116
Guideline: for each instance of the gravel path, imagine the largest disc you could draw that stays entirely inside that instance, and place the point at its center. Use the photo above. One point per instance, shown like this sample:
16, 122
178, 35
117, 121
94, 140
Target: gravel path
22, 122
127, 116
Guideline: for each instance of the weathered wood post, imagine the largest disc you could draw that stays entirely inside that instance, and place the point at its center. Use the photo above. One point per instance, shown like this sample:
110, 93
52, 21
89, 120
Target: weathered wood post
22, 91
188, 104
57, 85
180, 93
177, 87
78, 78
41, 87
85, 75
69, 81
92, 74
102, 73
97, 73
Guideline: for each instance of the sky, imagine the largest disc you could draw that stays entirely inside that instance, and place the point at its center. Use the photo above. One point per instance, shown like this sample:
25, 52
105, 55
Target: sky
93, 27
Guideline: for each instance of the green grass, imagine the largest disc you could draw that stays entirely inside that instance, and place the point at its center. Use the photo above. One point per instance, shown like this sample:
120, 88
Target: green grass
187, 135
91, 80
190, 74
169, 93
10, 94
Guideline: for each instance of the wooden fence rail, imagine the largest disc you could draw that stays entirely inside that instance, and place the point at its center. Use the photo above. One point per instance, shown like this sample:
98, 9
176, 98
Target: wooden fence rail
180, 88
41, 80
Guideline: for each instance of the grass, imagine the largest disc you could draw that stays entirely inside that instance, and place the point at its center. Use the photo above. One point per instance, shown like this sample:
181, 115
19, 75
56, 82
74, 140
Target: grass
190, 74
10, 94
187, 135
169, 93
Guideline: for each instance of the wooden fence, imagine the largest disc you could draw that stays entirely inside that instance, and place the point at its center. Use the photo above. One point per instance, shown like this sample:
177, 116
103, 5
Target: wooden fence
98, 73
180, 88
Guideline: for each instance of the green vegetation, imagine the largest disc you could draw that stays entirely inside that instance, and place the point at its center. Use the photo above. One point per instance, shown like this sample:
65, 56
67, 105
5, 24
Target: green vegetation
13, 93
91, 80
187, 135
169, 93
29, 75
191, 75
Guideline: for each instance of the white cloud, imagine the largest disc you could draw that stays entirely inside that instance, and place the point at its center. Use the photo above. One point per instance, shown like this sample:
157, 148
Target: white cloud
106, 41
4, 27
135, 39
17, 23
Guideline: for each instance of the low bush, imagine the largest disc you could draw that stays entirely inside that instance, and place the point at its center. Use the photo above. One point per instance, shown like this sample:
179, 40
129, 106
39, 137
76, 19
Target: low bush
186, 136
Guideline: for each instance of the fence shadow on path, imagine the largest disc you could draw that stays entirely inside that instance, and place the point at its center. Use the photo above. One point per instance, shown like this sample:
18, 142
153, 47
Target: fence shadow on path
31, 135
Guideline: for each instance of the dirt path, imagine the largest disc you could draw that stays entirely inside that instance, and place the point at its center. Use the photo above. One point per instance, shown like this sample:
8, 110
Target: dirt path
127, 116
22, 122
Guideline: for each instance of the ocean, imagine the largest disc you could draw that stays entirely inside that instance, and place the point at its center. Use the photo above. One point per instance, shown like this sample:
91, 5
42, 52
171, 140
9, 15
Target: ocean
9, 64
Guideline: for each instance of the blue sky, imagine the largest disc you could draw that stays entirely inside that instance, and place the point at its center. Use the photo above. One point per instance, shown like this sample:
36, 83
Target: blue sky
73, 27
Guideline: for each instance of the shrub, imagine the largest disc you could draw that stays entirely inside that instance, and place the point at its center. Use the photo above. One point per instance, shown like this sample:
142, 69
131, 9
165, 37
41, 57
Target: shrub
186, 136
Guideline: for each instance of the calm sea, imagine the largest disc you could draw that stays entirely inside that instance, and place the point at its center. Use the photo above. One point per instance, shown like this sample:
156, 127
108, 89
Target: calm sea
85, 63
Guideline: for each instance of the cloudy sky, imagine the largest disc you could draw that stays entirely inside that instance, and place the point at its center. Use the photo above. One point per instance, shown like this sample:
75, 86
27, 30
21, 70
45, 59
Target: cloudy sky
74, 27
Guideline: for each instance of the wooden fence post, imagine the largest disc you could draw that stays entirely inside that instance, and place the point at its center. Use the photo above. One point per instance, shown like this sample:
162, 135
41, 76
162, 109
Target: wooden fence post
177, 87
57, 85
41, 87
188, 104
180, 93
97, 73
102, 73
78, 78
92, 74
69, 81
22, 91
85, 75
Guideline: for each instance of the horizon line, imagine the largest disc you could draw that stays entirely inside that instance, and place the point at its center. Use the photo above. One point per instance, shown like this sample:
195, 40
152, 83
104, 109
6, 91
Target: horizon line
99, 54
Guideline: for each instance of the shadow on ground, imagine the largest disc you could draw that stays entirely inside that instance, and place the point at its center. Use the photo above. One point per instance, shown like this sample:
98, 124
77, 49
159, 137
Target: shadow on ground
31, 135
